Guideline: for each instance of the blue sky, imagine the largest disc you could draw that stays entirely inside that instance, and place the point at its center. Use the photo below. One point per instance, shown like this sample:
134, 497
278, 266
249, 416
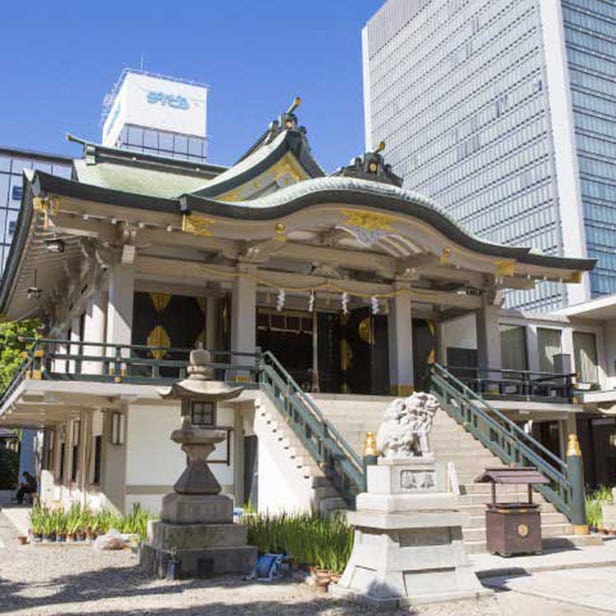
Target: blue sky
58, 60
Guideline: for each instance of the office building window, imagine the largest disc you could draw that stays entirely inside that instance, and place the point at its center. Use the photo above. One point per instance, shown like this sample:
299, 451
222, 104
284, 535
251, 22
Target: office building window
513, 347
549, 344
585, 351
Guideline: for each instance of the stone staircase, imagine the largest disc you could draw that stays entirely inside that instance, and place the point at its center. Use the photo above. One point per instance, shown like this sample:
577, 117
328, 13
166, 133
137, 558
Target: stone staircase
353, 416
273, 432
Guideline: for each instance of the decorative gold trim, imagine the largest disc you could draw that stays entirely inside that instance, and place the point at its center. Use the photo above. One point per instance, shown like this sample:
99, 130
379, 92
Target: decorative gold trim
573, 446
580, 529
576, 278
445, 255
240, 378
197, 225
402, 390
505, 268
370, 448
370, 221
39, 353
281, 232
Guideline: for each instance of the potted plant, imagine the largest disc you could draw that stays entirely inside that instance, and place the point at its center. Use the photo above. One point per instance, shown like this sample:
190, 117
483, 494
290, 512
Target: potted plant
22, 539
73, 521
36, 523
60, 525
48, 526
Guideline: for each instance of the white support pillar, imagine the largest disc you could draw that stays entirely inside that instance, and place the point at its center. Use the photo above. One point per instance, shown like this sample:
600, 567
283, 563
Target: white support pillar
120, 306
74, 349
488, 337
400, 337
244, 316
211, 320
94, 331
243, 311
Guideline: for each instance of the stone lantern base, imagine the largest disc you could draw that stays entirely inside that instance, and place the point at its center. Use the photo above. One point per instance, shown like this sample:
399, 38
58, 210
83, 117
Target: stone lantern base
217, 547
408, 544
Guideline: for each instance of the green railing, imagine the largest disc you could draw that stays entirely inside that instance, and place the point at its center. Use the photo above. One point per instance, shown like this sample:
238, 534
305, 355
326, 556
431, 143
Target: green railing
338, 460
502, 436
74, 360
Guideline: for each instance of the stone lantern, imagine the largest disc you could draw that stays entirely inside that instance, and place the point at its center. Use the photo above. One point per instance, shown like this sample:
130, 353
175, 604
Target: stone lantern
196, 530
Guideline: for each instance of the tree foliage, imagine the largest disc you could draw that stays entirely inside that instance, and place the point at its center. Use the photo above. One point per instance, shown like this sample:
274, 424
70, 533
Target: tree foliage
12, 345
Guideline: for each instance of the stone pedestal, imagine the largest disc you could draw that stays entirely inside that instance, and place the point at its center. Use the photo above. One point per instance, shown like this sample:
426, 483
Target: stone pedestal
196, 528
217, 547
408, 544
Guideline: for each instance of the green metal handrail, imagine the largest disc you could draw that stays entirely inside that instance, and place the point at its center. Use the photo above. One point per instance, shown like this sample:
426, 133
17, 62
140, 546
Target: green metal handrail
502, 436
338, 460
79, 360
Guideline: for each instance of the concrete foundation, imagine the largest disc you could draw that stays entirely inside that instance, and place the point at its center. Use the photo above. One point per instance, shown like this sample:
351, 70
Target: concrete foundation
408, 546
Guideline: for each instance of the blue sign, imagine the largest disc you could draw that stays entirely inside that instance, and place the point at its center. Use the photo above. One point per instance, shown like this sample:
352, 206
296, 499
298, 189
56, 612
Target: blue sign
167, 100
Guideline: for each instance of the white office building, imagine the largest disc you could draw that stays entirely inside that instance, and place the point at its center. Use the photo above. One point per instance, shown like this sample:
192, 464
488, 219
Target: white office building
504, 112
153, 114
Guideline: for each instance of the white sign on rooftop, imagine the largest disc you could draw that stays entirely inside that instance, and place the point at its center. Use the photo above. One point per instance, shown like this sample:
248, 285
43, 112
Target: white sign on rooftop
158, 103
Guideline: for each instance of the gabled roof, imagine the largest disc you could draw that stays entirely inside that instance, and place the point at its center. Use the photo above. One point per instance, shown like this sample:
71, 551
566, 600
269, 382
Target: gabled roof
144, 174
279, 158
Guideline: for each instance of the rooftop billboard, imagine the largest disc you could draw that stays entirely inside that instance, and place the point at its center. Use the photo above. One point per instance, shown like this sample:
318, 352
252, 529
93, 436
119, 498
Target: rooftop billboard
155, 102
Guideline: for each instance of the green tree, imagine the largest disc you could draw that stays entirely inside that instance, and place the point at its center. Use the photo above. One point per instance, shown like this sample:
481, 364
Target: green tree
12, 345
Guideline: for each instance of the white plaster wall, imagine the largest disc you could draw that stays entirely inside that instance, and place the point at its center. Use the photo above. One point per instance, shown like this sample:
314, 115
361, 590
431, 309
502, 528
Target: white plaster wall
152, 459
460, 333
281, 484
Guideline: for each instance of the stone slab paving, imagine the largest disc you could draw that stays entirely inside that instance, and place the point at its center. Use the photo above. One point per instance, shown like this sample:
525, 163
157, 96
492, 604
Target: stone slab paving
57, 580
592, 589
488, 565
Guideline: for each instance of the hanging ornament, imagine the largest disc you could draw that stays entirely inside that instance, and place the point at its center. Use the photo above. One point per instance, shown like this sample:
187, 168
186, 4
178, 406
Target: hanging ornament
268, 297
374, 304
344, 301
311, 302
280, 300
385, 306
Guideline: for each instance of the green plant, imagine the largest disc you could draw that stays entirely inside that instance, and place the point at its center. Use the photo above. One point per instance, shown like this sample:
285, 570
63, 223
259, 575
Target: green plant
37, 519
60, 520
73, 519
308, 539
12, 345
48, 521
594, 505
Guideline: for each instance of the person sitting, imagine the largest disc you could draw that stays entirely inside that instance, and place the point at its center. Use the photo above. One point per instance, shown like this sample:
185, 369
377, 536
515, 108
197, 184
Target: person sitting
26, 488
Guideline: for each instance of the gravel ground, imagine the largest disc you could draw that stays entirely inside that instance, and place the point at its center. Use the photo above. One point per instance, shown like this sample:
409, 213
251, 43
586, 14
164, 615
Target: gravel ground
61, 580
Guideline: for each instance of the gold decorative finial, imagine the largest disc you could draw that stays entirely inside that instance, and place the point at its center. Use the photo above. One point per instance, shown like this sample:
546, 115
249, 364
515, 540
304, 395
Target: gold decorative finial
573, 446
380, 147
281, 232
370, 448
297, 101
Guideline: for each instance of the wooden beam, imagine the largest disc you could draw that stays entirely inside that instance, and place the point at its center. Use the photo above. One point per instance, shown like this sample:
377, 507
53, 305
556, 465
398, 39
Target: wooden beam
190, 271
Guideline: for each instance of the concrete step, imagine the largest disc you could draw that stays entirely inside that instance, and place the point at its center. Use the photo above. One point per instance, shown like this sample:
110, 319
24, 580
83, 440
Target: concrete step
547, 531
483, 499
548, 543
554, 517
479, 510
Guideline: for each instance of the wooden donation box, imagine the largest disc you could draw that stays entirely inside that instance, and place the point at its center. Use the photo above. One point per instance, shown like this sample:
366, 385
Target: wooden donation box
513, 528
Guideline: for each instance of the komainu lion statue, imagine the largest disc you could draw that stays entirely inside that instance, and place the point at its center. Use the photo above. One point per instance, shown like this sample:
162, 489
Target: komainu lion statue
405, 427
